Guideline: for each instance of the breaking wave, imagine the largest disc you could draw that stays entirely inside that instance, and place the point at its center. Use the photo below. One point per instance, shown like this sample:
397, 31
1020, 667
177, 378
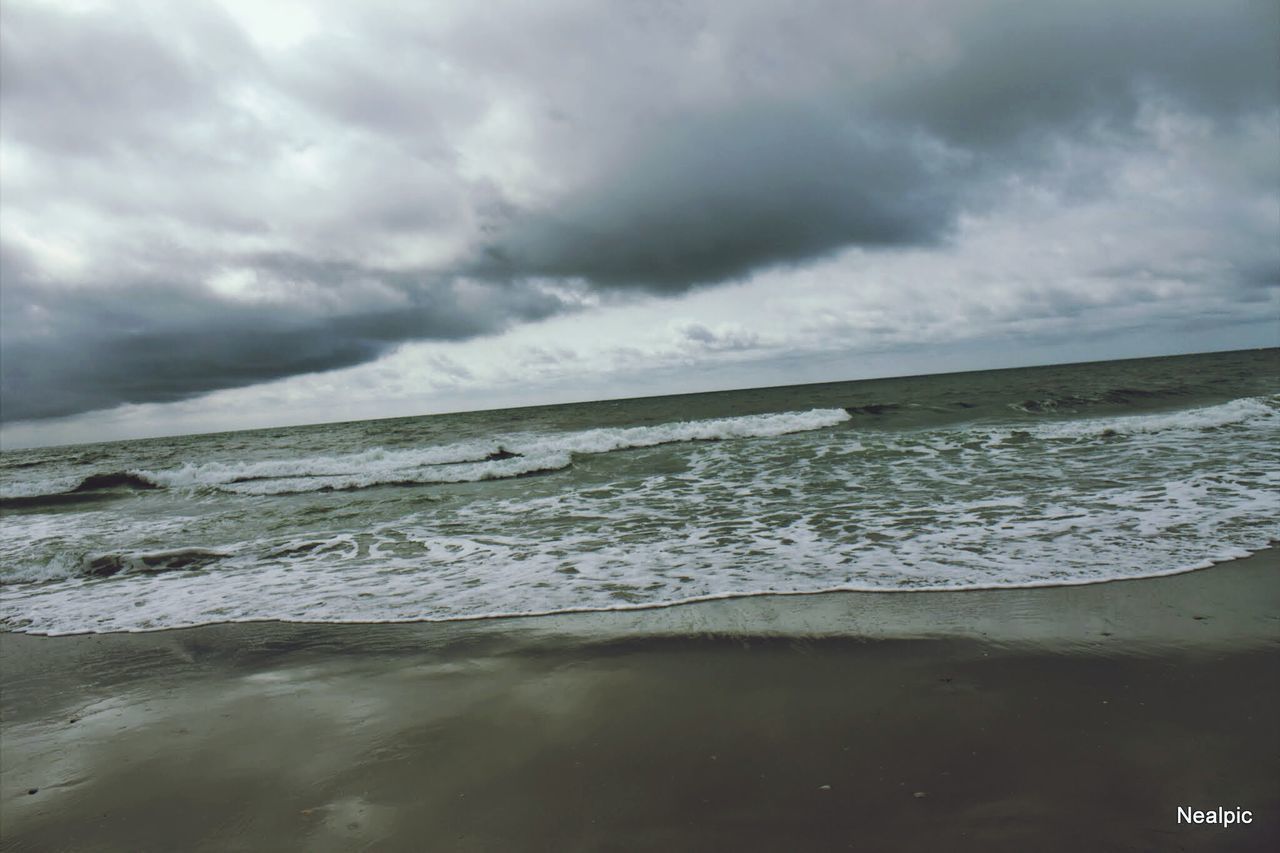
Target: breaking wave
70, 490
105, 565
1240, 411
907, 490
512, 456
177, 559
473, 461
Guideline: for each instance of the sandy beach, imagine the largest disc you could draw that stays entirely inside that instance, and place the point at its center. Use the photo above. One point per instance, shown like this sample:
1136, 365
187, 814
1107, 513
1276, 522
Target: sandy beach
1069, 718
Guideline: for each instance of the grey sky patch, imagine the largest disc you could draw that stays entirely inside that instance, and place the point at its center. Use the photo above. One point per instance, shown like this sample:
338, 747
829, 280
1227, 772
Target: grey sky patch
99, 83
724, 338
1019, 72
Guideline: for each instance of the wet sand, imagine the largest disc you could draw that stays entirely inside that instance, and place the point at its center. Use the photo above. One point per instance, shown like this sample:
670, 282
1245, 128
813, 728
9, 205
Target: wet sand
1069, 719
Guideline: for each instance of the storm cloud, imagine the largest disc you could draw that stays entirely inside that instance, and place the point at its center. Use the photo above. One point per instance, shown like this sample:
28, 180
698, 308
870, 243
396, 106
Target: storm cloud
727, 194
197, 197
73, 350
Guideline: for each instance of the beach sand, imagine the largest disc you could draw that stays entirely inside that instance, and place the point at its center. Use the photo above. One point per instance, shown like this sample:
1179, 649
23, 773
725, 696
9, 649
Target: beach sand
1070, 718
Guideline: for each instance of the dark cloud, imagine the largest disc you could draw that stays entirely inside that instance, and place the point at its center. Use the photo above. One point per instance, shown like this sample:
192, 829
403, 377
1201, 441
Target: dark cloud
68, 351
719, 196
400, 176
1030, 72
713, 195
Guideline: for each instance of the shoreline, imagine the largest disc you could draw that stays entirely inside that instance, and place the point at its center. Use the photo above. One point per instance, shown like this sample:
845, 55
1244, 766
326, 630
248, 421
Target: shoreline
1263, 553
993, 613
1049, 718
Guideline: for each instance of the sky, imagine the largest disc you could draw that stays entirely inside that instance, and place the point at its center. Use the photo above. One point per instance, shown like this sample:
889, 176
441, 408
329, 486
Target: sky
224, 215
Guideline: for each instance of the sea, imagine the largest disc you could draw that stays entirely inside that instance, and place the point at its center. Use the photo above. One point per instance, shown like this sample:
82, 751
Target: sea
1057, 475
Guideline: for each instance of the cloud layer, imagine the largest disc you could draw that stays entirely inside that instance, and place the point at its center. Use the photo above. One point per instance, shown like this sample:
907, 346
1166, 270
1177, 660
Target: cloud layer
209, 196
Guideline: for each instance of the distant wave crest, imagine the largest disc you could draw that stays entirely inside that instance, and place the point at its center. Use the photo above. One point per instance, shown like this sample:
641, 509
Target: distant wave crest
1122, 396
523, 455
499, 459
71, 490
1240, 411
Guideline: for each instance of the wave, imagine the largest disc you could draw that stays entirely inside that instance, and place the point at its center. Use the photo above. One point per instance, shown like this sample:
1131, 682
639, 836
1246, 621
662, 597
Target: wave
497, 459
873, 409
472, 461
1119, 396
115, 480
521, 466
1235, 412
523, 455
69, 490
30, 463
105, 565
176, 559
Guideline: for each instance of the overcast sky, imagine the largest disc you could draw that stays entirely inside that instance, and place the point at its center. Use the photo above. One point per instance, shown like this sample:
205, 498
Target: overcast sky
231, 214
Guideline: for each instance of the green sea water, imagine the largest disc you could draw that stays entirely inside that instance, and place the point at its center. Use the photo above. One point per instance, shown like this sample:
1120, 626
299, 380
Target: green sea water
1047, 475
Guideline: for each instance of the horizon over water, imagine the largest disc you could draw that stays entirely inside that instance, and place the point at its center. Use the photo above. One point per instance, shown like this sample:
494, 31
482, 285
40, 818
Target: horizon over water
61, 444
1050, 475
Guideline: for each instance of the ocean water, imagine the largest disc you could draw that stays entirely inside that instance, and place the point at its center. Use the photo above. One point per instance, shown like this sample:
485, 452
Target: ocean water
1038, 476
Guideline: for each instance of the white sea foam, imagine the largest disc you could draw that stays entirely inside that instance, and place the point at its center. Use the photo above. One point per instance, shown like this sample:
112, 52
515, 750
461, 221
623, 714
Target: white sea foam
1246, 410
705, 533
795, 511
56, 567
35, 488
500, 469
466, 461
